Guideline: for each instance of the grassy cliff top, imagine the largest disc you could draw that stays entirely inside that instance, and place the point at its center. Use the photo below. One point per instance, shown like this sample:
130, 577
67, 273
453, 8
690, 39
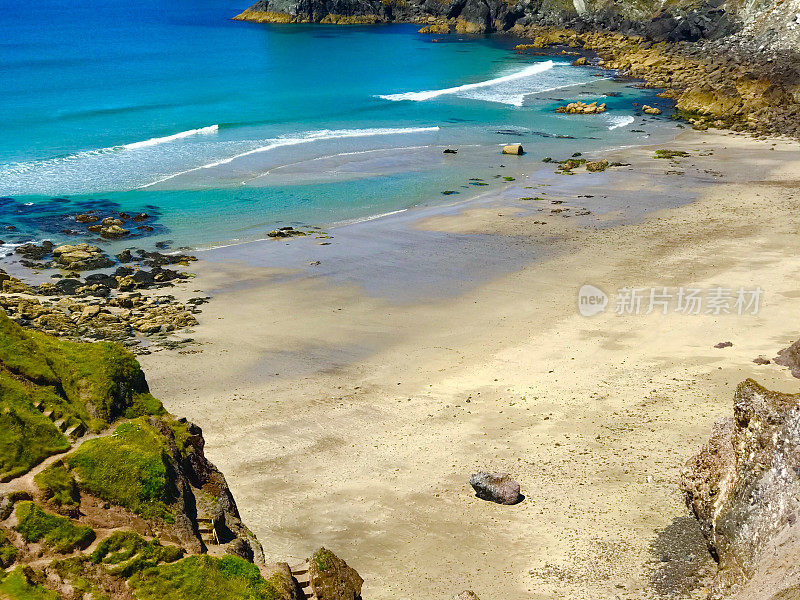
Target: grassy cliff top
52, 389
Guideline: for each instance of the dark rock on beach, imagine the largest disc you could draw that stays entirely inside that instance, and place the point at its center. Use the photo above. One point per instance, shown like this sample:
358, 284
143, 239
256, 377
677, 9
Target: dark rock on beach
790, 357
496, 487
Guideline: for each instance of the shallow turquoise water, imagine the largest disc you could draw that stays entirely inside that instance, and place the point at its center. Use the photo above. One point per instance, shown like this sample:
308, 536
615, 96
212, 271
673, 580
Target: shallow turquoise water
224, 129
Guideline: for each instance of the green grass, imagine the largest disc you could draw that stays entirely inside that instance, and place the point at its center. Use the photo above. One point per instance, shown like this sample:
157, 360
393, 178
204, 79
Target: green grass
8, 553
228, 578
28, 436
60, 533
324, 559
58, 486
127, 553
93, 384
128, 468
17, 585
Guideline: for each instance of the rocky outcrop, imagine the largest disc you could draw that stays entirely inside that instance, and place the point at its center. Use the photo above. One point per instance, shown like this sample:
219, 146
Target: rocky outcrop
744, 489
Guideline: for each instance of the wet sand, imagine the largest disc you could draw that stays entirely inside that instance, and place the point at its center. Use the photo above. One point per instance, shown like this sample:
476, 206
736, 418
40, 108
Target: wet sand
348, 402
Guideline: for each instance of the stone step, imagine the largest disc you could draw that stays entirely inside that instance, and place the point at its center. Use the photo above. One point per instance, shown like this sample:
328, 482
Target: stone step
48, 413
75, 431
61, 424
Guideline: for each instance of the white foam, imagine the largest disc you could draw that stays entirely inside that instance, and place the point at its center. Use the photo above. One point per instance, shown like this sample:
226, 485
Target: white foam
28, 166
620, 121
304, 138
528, 71
171, 138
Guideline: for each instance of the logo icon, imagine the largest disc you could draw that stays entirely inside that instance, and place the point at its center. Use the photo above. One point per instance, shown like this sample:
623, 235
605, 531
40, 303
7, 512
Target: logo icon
591, 300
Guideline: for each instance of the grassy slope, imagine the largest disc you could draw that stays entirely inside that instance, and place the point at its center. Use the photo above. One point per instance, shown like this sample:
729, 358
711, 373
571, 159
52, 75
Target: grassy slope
228, 578
97, 384
16, 585
130, 468
89, 384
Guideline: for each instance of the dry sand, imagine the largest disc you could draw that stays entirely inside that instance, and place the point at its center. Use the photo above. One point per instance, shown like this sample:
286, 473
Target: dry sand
352, 420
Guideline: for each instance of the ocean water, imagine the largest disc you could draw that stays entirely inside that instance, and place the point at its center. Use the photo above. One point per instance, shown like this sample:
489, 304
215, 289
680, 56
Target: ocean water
222, 130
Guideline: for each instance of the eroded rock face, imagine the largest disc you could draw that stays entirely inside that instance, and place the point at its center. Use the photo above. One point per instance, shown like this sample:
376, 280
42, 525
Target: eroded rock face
332, 579
496, 487
744, 489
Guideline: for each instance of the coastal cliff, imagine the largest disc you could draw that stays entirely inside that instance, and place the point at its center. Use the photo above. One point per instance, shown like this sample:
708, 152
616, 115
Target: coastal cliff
103, 494
726, 63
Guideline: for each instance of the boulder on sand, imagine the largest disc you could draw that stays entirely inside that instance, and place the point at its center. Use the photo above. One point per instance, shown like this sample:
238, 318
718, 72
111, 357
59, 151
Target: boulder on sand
496, 487
331, 578
513, 149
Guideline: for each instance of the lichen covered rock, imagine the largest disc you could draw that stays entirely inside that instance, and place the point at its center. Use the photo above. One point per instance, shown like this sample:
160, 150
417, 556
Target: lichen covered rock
331, 577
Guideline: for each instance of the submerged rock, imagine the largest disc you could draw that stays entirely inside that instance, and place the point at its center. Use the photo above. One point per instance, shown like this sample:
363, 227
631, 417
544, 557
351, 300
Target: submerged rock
34, 252
579, 108
496, 487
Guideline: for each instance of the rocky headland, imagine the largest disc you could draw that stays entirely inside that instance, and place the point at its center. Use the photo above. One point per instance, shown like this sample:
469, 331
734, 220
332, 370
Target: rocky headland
725, 63
103, 494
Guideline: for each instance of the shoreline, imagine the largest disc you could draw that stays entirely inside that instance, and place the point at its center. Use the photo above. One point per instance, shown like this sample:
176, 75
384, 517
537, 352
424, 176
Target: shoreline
345, 418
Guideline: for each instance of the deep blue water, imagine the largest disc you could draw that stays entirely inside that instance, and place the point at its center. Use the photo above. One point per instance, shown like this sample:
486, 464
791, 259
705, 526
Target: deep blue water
224, 129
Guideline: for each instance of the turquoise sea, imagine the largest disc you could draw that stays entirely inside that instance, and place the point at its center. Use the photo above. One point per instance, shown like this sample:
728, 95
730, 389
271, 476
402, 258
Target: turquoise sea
222, 130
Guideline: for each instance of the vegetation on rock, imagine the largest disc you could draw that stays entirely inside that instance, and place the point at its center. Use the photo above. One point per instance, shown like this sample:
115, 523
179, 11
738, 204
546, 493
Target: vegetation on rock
17, 585
128, 553
58, 486
8, 552
130, 468
59, 533
228, 578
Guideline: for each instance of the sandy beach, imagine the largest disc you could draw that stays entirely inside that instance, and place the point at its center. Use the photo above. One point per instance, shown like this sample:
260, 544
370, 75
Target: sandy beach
349, 411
